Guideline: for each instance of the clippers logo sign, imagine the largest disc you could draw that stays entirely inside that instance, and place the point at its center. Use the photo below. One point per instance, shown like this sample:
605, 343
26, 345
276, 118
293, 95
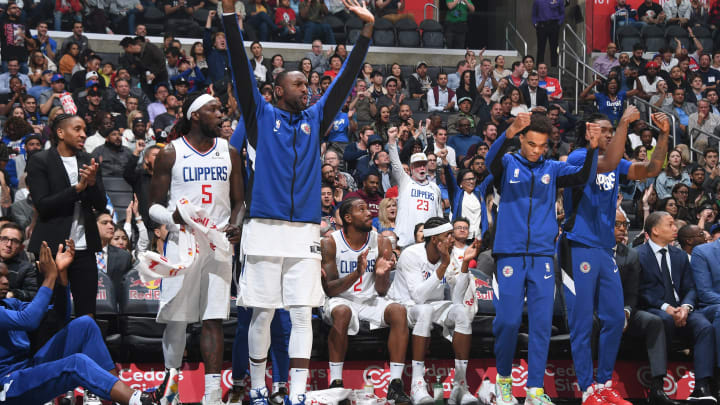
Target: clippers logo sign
305, 127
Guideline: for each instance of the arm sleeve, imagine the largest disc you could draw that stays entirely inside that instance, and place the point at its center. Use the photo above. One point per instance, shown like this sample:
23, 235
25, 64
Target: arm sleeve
397, 173
11, 170
47, 204
495, 155
29, 316
334, 97
246, 89
143, 243
462, 280
452, 188
571, 176
702, 272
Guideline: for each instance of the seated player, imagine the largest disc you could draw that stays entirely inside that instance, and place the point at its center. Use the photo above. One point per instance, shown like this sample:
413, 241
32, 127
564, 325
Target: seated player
357, 263
75, 356
419, 284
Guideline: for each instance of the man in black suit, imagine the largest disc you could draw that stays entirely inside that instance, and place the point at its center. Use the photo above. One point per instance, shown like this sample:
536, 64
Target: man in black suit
66, 188
534, 95
114, 262
667, 290
639, 323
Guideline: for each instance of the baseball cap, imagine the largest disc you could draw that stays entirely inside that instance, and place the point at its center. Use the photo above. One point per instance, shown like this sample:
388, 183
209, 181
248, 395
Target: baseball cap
139, 120
30, 137
182, 80
390, 79
418, 157
91, 83
90, 74
57, 77
48, 71
375, 139
465, 99
422, 62
652, 64
715, 229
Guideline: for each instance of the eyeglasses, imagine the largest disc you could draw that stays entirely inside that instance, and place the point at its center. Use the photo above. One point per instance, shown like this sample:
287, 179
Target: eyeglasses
682, 192
461, 228
469, 179
622, 224
13, 241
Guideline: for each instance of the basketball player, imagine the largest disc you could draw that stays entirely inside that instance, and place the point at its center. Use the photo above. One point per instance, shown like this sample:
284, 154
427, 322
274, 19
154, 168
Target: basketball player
418, 198
590, 274
357, 263
419, 284
283, 145
201, 167
525, 245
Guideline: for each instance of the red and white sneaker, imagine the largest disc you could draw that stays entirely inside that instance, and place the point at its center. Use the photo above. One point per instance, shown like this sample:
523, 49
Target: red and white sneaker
610, 394
592, 397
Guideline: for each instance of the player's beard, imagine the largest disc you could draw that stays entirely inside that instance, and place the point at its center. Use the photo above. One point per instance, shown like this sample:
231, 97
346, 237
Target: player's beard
208, 130
365, 228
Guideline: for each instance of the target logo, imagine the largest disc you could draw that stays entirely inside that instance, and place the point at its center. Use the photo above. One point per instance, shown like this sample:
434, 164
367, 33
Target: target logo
519, 375
644, 378
378, 377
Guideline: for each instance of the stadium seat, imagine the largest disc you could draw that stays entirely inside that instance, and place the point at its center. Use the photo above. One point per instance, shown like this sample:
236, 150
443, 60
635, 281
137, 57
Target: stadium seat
407, 33
354, 27
338, 28
120, 193
139, 303
704, 35
414, 103
676, 31
200, 15
106, 314
654, 38
628, 36
154, 21
432, 72
407, 70
384, 34
432, 34
109, 57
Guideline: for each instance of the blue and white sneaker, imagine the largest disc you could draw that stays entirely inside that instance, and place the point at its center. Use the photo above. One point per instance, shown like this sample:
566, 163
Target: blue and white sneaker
259, 396
301, 400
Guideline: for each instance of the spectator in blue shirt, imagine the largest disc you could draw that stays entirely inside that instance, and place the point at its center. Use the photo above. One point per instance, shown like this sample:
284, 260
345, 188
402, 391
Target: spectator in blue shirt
48, 46
610, 101
547, 17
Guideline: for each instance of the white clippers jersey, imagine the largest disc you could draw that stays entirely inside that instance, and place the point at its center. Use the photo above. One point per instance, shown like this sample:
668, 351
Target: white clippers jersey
346, 261
202, 178
416, 203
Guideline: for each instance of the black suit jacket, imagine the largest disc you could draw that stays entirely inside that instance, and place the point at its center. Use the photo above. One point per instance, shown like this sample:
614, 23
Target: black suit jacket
627, 261
541, 99
652, 290
55, 198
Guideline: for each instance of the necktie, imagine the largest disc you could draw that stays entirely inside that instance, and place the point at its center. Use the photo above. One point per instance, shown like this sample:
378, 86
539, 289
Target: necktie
669, 290
101, 264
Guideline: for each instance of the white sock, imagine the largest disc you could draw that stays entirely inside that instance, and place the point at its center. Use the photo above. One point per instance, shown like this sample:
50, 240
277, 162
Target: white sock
135, 398
460, 370
336, 370
418, 371
212, 383
257, 374
298, 383
396, 370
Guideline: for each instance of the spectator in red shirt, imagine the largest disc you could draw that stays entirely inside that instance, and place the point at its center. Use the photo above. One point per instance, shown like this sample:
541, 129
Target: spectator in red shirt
369, 192
551, 84
335, 65
285, 20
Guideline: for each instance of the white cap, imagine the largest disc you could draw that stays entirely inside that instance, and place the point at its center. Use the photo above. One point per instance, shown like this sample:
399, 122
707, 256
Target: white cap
90, 74
418, 157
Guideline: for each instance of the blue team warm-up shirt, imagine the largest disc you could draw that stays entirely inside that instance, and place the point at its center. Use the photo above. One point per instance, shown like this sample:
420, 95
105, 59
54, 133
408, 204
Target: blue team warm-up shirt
595, 219
613, 109
339, 128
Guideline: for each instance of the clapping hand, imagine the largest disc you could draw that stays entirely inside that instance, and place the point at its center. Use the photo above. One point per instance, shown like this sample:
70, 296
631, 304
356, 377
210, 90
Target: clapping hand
662, 122
594, 132
63, 259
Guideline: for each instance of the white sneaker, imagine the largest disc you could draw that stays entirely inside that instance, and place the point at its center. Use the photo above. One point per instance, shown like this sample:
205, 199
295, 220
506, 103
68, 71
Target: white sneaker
91, 399
537, 398
460, 395
213, 397
419, 393
486, 392
503, 391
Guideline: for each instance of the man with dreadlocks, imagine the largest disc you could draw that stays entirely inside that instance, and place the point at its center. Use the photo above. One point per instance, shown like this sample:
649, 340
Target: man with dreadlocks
203, 168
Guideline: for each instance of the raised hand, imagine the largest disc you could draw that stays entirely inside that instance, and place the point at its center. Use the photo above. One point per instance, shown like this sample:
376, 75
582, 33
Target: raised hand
46, 264
521, 122
631, 114
594, 132
472, 251
360, 10
392, 135
661, 121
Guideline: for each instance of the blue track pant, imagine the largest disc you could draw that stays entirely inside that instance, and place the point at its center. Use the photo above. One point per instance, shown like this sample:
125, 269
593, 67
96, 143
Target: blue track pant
592, 284
75, 356
519, 277
280, 339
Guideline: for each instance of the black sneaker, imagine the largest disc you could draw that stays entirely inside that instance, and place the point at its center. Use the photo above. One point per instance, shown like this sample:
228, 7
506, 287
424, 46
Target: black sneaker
278, 397
336, 384
396, 392
149, 398
234, 395
701, 394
